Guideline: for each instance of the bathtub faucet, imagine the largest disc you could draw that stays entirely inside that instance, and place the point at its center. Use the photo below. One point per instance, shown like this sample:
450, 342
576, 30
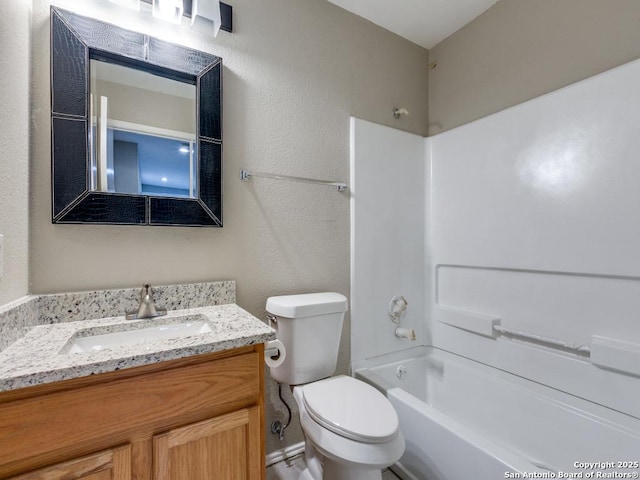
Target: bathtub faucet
408, 333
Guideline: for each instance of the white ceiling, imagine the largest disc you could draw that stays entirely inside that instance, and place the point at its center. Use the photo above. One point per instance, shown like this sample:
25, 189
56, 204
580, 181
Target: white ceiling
425, 22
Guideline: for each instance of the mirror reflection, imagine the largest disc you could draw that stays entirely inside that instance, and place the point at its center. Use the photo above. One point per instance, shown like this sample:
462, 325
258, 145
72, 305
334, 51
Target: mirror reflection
143, 132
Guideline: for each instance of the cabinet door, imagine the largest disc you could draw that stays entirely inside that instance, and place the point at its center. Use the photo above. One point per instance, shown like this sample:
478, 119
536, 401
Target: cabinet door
225, 447
113, 464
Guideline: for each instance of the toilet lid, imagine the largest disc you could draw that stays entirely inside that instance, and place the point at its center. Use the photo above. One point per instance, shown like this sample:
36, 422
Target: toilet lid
352, 409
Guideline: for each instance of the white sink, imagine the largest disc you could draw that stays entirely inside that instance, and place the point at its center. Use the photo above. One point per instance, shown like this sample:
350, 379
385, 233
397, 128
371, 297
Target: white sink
139, 333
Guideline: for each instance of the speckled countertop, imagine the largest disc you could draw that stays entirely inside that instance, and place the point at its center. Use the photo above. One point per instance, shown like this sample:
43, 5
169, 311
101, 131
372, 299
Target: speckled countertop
39, 356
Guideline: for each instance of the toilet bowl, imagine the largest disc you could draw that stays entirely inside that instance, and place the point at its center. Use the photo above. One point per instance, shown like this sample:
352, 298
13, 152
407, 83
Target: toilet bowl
352, 427
351, 430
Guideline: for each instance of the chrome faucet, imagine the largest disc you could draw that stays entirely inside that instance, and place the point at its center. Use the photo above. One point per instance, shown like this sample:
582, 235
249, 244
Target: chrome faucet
147, 309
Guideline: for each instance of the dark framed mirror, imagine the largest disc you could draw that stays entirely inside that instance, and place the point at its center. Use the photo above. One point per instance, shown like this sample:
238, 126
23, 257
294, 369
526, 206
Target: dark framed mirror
136, 127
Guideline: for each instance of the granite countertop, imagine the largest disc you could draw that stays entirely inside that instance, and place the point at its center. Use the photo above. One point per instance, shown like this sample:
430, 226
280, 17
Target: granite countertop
41, 356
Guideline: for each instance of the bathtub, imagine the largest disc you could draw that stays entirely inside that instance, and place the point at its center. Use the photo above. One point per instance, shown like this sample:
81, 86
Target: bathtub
465, 420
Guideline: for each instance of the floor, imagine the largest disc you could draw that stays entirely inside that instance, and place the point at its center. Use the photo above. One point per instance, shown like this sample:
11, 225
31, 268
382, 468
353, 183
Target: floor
291, 468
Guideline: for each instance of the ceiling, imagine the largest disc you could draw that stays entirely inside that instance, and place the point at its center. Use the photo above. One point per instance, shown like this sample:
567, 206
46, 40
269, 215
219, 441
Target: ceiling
424, 22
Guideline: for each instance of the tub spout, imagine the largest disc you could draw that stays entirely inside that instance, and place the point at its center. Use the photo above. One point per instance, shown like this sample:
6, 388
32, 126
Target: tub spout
408, 333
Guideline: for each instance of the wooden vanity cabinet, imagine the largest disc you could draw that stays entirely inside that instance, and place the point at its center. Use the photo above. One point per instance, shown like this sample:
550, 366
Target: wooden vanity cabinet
199, 418
225, 445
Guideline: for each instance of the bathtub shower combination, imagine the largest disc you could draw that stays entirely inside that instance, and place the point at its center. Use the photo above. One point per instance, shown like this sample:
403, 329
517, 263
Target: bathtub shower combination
462, 419
513, 241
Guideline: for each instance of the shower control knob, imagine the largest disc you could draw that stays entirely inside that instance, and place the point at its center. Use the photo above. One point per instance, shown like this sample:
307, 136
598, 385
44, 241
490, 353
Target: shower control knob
397, 307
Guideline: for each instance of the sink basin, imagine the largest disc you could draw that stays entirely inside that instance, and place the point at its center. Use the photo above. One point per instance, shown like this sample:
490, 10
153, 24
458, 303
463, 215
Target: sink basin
149, 331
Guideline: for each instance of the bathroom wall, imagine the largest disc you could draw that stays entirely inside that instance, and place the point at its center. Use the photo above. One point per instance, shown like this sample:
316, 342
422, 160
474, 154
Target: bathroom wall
535, 232
535, 223
147, 107
389, 179
294, 71
15, 24
532, 225
520, 49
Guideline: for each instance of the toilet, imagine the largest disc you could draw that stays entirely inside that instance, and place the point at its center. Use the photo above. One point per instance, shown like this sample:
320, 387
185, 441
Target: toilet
351, 429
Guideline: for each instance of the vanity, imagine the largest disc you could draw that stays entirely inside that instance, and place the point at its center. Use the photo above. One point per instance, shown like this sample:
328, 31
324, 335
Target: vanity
189, 405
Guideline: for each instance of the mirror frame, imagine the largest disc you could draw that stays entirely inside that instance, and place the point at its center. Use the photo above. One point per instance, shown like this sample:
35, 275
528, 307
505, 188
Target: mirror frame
74, 41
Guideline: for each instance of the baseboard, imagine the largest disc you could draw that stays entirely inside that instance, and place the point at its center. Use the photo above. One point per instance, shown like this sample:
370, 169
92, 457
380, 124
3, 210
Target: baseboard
285, 453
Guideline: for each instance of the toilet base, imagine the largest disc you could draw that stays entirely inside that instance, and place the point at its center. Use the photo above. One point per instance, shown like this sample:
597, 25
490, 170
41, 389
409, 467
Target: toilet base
320, 467
305, 475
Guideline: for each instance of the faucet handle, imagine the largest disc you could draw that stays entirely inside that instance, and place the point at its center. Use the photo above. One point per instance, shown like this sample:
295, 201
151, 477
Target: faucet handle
147, 308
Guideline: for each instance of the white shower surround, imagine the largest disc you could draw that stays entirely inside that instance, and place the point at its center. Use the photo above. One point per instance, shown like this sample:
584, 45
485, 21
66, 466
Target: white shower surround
530, 216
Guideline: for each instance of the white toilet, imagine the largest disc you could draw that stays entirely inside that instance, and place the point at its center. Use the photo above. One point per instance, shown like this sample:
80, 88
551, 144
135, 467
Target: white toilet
351, 429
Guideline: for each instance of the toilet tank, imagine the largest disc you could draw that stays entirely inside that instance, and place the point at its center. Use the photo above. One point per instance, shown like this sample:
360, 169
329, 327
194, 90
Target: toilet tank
309, 326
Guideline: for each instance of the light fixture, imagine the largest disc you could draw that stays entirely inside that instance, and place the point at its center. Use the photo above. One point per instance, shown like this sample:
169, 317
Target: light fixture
164, 179
132, 4
169, 10
206, 12
206, 15
184, 148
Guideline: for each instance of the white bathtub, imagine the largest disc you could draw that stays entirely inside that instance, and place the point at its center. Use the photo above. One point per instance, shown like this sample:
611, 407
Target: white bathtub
464, 420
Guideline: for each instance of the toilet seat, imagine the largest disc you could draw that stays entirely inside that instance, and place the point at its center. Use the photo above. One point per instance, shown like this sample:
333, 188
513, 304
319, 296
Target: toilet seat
352, 409
337, 448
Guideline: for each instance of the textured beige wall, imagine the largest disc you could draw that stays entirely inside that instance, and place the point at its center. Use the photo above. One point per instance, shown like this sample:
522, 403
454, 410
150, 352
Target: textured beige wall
146, 107
521, 49
14, 147
294, 71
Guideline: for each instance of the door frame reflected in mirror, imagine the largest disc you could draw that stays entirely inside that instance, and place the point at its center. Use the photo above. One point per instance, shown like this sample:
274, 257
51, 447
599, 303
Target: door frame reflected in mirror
142, 132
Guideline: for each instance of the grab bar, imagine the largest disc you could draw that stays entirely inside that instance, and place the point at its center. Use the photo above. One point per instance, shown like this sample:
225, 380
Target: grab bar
245, 175
603, 352
489, 326
542, 339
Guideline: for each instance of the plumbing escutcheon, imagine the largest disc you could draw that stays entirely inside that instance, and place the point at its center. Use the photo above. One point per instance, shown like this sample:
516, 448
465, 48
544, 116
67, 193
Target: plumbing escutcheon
397, 308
